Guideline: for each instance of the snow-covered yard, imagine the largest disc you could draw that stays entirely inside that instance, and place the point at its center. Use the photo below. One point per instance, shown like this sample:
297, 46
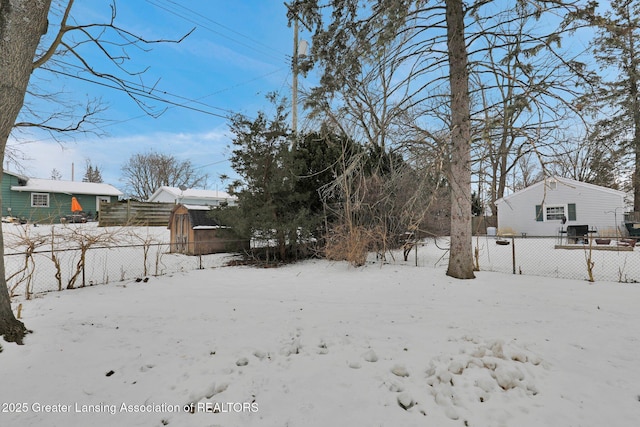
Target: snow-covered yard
324, 344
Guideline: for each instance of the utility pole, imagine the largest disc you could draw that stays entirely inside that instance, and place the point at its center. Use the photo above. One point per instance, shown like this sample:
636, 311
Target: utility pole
294, 96
299, 49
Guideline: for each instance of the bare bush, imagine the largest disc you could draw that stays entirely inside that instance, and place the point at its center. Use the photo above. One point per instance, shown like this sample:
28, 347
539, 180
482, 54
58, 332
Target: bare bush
349, 244
24, 242
86, 240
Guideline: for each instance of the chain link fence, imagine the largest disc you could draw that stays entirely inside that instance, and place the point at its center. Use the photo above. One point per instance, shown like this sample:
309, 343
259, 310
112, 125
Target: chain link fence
611, 259
35, 272
36, 268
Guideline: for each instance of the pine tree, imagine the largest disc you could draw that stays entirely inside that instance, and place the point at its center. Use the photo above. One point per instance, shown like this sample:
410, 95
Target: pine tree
269, 206
92, 173
617, 47
56, 175
279, 190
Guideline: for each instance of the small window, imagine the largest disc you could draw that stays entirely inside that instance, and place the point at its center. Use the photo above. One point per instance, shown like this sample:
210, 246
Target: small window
553, 184
102, 199
554, 213
39, 200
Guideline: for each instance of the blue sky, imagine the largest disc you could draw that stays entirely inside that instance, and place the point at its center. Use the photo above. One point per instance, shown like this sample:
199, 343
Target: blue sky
239, 52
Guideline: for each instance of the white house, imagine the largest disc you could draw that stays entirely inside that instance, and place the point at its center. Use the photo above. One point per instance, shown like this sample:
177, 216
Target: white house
539, 209
192, 196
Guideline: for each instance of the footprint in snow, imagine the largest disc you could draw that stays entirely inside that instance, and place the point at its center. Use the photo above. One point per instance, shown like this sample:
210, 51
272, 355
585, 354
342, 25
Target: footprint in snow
370, 356
400, 371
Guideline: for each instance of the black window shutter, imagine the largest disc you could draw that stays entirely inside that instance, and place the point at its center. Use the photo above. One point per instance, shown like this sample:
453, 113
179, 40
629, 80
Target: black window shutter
572, 212
539, 213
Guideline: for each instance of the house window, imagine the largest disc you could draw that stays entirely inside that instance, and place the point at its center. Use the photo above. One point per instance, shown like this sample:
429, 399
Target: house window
556, 212
553, 213
39, 200
102, 199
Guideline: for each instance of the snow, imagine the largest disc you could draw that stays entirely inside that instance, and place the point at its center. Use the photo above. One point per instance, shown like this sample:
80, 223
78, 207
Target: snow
191, 196
321, 343
198, 207
69, 187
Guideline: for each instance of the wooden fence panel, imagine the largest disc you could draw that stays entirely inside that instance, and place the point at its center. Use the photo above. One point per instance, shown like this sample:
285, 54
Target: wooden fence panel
135, 213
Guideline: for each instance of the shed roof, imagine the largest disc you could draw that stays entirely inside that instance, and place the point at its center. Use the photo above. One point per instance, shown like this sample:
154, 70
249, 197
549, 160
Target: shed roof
198, 216
201, 218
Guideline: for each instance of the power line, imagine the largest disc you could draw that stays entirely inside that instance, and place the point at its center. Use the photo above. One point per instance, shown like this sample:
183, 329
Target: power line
174, 105
137, 92
133, 86
226, 28
137, 87
200, 24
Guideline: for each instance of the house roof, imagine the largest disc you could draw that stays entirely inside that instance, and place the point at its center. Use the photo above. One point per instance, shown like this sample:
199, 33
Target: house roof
17, 175
562, 181
67, 187
190, 193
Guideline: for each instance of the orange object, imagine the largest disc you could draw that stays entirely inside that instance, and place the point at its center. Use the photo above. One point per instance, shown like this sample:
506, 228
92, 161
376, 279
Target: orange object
75, 205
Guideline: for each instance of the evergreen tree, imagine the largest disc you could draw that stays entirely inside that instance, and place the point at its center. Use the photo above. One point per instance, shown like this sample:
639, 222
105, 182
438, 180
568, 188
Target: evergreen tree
279, 193
476, 205
92, 173
269, 207
56, 175
617, 47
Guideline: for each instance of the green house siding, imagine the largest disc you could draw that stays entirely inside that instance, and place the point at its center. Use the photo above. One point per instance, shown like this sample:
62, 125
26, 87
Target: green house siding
13, 203
18, 203
59, 206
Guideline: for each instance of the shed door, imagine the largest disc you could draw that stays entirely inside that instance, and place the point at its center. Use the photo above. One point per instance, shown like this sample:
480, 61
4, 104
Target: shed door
182, 233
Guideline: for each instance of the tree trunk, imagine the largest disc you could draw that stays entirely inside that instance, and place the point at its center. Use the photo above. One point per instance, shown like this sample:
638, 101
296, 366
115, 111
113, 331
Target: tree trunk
22, 23
635, 105
460, 254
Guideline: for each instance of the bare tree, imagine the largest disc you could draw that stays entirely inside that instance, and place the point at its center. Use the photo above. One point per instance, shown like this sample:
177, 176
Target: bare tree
356, 38
386, 189
529, 91
144, 173
22, 25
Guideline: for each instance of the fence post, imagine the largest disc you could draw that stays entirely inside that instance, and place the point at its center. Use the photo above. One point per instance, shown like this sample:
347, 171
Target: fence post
513, 253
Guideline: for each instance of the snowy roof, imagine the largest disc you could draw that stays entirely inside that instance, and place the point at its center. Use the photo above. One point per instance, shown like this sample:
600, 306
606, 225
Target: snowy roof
197, 207
191, 193
67, 187
17, 175
566, 181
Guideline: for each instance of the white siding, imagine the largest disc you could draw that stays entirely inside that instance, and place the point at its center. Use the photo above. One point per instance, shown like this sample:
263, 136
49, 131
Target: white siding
191, 197
595, 207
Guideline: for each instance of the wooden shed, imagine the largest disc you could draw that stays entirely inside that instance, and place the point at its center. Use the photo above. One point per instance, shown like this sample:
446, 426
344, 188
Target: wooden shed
195, 232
